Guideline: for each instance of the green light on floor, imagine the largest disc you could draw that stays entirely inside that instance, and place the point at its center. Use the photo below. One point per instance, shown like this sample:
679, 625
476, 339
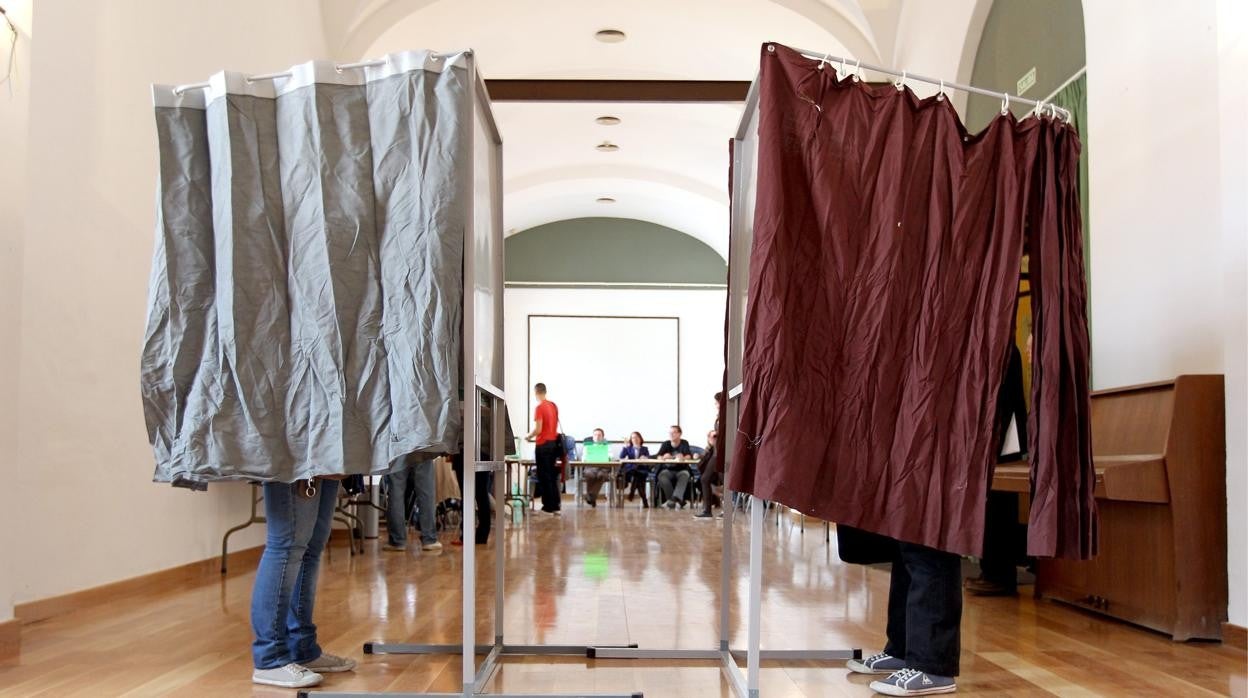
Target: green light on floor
596, 565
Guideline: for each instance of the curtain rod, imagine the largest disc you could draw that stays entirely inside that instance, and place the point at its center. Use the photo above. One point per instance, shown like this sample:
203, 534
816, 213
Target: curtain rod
905, 75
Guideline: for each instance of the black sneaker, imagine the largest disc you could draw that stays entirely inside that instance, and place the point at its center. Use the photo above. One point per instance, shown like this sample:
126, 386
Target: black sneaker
703, 515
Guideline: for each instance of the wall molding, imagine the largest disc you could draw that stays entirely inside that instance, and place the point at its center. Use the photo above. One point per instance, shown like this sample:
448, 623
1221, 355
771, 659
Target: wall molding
240, 562
10, 639
1235, 636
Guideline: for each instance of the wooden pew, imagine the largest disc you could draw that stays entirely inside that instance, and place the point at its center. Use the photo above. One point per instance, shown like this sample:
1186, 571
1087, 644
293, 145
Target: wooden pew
1160, 457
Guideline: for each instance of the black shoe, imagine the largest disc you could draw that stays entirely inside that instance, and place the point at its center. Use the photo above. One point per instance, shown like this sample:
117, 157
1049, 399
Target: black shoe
702, 515
671, 504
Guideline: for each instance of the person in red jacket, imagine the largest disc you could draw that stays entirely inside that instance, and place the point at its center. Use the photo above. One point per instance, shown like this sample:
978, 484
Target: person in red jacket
546, 435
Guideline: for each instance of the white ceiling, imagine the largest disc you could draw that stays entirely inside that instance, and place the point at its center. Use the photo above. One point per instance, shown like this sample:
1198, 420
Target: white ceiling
672, 166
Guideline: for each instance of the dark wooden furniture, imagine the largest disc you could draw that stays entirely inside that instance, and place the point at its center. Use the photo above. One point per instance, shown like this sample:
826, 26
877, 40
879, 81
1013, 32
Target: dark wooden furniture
1160, 456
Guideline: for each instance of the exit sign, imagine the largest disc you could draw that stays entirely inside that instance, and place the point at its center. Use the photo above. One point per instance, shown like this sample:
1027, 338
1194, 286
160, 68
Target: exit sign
1027, 81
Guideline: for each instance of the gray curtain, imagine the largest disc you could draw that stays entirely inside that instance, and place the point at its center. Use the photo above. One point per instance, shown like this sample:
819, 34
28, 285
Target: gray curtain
304, 310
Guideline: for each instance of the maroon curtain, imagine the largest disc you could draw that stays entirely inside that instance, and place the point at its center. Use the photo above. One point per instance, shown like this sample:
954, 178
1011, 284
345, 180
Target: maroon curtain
883, 290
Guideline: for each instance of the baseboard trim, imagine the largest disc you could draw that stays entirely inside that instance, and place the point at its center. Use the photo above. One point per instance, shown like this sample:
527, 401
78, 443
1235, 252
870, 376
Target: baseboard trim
239, 562
1235, 636
10, 639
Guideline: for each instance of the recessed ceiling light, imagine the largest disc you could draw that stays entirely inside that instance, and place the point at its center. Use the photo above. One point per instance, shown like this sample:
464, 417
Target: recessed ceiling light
608, 120
607, 147
610, 36
605, 200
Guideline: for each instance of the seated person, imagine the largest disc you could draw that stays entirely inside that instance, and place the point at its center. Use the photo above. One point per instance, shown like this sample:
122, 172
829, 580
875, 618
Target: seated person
595, 476
710, 478
635, 474
674, 479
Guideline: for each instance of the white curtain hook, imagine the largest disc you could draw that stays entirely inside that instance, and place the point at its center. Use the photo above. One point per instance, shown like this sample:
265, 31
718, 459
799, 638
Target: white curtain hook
940, 97
841, 72
857, 70
824, 60
1005, 103
901, 84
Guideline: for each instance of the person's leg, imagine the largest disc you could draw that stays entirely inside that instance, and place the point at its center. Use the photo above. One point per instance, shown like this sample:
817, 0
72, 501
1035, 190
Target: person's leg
708, 495
290, 518
933, 610
594, 480
898, 596
998, 565
667, 485
682, 485
485, 485
302, 631
396, 508
425, 481
547, 477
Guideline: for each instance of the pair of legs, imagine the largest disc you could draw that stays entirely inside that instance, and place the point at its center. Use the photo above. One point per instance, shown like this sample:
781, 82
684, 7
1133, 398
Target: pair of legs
418, 477
672, 484
925, 609
285, 590
635, 483
710, 479
594, 478
484, 487
1005, 543
547, 457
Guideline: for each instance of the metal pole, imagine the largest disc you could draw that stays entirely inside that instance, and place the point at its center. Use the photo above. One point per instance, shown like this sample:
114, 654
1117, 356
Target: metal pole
830, 59
500, 450
471, 449
756, 595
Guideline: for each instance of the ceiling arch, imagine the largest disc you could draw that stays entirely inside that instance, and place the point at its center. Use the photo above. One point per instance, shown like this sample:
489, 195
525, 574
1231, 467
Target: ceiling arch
352, 29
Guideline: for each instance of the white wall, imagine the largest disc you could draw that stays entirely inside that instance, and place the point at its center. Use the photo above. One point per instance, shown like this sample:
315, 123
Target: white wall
701, 314
14, 107
1167, 249
88, 511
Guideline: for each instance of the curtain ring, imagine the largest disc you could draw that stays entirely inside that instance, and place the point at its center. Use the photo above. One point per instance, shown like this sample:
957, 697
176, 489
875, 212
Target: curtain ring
840, 73
901, 84
940, 97
857, 70
1038, 112
823, 60
1005, 103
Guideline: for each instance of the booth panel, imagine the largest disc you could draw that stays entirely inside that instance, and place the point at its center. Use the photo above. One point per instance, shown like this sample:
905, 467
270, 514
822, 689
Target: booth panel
487, 242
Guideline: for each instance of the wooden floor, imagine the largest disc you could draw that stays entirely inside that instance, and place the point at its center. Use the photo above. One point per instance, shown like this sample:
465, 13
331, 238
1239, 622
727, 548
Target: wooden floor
599, 576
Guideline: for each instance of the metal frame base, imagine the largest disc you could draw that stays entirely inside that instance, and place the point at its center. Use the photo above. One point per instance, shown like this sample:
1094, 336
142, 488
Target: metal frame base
484, 672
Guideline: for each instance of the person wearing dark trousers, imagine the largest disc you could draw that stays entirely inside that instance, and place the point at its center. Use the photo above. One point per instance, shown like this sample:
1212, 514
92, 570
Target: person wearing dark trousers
545, 435
635, 474
484, 486
709, 478
1005, 538
924, 624
674, 479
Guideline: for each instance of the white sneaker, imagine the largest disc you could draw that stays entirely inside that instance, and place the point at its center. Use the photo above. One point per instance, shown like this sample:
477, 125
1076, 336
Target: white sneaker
436, 545
290, 676
330, 664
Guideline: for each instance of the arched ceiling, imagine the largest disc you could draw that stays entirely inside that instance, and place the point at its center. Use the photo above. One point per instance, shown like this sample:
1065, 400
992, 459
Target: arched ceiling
672, 165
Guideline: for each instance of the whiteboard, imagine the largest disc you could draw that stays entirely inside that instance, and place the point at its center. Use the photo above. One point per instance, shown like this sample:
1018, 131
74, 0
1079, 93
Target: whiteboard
618, 373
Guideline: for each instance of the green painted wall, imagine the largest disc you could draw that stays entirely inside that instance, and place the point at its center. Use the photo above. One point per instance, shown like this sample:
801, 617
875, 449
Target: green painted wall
611, 250
1019, 34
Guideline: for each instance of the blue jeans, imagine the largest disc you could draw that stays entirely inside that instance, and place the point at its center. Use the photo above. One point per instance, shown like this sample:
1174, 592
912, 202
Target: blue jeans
421, 477
285, 589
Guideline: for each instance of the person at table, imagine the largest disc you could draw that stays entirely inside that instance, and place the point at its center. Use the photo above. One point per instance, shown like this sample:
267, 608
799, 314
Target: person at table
635, 474
674, 478
706, 466
595, 476
545, 435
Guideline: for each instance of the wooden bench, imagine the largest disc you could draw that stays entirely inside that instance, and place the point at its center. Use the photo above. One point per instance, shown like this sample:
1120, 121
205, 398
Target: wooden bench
1160, 457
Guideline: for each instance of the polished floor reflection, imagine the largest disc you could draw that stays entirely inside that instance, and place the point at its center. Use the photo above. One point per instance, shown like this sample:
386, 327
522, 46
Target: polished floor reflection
605, 576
